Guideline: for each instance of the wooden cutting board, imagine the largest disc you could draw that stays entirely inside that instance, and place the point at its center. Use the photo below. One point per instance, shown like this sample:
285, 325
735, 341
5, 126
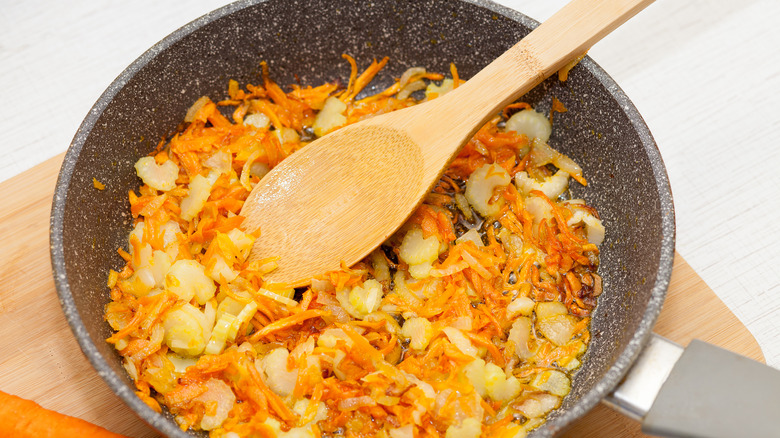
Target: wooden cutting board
40, 359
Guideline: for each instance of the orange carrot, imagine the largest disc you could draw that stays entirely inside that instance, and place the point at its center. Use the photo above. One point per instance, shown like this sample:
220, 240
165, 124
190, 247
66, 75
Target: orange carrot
347, 340
290, 321
21, 418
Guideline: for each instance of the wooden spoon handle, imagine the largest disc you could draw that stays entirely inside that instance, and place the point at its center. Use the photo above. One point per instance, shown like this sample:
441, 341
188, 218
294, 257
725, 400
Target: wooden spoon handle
560, 39
571, 31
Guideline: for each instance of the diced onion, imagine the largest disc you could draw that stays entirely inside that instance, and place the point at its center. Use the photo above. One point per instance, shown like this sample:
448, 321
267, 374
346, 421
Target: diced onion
463, 206
520, 335
538, 405
468, 428
331, 116
552, 186
459, 340
520, 306
434, 90
558, 329
276, 297
190, 116
280, 379
419, 331
480, 187
199, 192
542, 153
157, 176
471, 235
221, 395
415, 249
258, 120
188, 279
220, 161
352, 403
552, 381
531, 124
410, 88
408, 74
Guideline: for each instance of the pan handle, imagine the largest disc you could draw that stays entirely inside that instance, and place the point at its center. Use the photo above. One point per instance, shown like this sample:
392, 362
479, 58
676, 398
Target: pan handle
701, 391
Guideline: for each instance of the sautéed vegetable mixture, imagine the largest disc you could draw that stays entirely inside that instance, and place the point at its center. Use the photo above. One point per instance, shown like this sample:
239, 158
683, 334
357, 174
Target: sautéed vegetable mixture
468, 322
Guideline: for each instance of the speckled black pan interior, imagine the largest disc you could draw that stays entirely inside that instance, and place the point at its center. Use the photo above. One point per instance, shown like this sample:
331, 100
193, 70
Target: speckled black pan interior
302, 41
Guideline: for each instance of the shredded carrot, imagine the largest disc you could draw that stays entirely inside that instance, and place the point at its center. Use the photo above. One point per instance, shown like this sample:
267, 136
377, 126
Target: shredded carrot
290, 321
563, 73
455, 77
366, 348
352, 77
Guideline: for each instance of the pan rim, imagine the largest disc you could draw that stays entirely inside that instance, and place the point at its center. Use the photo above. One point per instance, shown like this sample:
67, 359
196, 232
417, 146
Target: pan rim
554, 425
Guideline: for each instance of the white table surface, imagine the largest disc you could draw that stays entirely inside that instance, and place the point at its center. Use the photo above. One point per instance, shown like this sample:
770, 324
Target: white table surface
705, 74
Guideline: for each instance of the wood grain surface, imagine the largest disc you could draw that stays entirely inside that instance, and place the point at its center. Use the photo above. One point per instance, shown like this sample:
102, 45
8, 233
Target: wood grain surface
40, 359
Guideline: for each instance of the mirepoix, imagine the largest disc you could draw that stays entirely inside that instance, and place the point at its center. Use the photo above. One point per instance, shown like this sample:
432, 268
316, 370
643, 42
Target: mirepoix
470, 321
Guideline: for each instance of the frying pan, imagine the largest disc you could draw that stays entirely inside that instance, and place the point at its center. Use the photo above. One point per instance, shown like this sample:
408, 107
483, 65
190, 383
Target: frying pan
302, 41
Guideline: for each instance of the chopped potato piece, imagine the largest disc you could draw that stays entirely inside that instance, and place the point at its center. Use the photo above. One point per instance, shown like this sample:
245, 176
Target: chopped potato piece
419, 331
558, 328
281, 380
550, 308
187, 279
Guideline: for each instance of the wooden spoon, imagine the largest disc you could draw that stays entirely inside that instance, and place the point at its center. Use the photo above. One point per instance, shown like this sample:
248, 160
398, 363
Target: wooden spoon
341, 196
